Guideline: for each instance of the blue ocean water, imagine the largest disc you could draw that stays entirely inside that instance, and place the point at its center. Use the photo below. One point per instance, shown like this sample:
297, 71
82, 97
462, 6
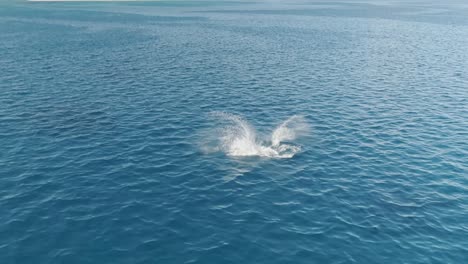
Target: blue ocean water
234, 132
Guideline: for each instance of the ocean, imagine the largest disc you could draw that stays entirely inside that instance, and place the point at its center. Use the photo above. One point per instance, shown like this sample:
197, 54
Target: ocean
234, 132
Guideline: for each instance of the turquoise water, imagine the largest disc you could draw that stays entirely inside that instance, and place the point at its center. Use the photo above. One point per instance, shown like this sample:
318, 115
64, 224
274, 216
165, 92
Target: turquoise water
234, 132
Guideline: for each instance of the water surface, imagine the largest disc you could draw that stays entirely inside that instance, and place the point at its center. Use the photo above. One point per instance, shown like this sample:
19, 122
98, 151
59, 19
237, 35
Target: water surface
140, 132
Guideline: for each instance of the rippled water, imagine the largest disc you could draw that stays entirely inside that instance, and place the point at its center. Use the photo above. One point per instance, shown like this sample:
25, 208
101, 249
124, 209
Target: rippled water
230, 132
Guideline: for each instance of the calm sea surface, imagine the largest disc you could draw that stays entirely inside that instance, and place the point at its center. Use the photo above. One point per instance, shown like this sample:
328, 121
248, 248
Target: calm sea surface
234, 132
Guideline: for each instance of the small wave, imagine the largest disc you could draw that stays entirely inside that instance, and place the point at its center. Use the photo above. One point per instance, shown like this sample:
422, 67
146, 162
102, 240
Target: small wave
238, 138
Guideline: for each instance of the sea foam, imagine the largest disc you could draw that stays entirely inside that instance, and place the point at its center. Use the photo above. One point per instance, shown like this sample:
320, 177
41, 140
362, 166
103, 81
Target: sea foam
237, 137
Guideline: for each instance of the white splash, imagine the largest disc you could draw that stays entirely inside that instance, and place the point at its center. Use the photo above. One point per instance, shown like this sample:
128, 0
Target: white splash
239, 138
